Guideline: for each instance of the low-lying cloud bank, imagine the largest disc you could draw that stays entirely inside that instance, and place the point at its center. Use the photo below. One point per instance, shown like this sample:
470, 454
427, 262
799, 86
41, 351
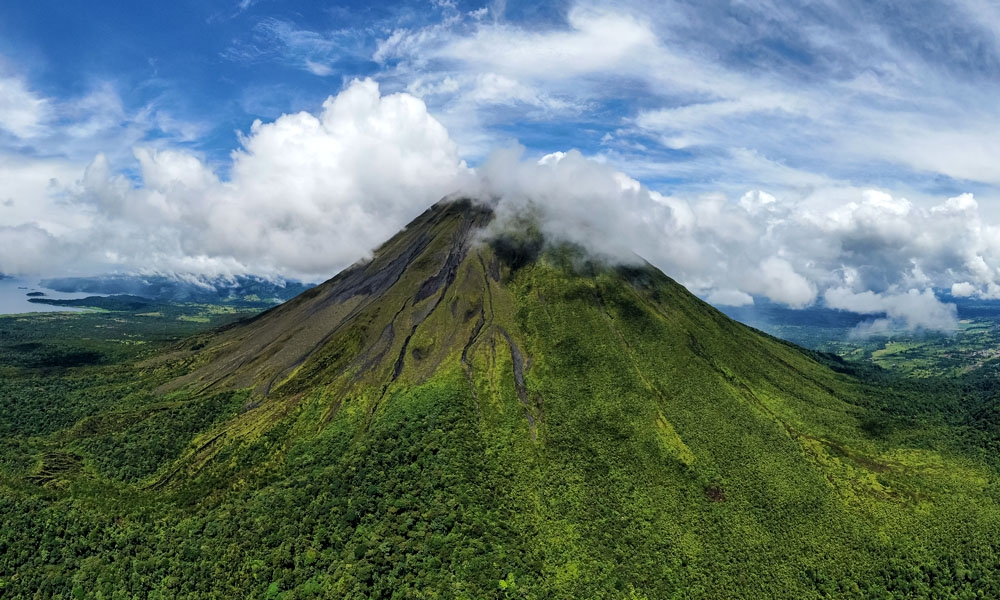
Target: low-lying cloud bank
308, 194
872, 254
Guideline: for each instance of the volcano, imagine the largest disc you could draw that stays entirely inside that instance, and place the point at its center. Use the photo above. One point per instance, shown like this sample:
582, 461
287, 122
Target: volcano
480, 412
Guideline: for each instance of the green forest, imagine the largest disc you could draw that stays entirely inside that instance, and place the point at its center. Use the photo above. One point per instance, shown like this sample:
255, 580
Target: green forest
528, 425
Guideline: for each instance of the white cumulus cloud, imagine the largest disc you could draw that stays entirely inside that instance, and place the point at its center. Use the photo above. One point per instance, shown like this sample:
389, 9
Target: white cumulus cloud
307, 194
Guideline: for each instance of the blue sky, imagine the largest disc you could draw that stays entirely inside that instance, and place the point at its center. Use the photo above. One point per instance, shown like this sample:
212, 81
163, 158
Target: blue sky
814, 145
759, 72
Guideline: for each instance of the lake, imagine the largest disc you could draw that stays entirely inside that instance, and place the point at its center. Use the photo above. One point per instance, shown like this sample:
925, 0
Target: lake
14, 299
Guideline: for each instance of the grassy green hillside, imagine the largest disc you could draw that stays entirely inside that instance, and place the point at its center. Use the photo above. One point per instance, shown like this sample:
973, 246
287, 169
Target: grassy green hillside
475, 414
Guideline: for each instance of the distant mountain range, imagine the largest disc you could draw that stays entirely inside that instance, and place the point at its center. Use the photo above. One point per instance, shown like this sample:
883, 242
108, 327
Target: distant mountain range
163, 288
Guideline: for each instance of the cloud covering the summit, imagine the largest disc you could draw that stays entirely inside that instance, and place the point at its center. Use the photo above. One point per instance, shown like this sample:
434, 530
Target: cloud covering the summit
859, 250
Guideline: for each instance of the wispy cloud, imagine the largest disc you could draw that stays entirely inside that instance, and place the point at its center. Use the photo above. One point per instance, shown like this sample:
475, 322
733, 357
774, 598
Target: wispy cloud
77, 128
22, 112
312, 51
833, 90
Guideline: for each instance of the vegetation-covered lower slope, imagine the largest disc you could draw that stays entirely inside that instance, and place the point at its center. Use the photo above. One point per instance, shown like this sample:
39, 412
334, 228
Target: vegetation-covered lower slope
471, 415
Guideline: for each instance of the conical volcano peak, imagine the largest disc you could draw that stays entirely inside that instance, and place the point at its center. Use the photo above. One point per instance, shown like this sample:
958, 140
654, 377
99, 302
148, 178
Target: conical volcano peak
457, 292
494, 406
407, 309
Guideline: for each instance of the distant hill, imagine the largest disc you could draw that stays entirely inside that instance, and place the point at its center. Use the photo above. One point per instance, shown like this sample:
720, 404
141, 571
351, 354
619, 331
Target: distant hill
120, 302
